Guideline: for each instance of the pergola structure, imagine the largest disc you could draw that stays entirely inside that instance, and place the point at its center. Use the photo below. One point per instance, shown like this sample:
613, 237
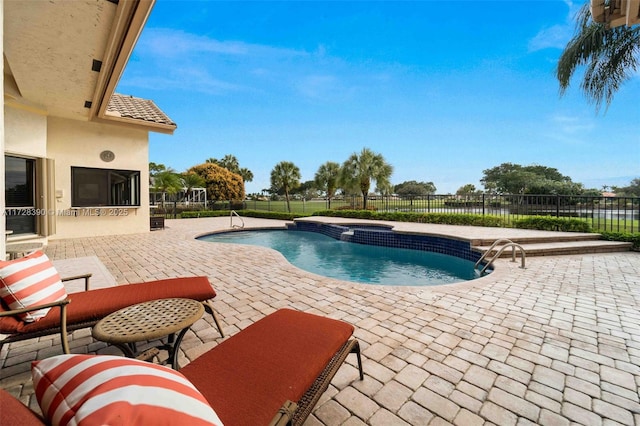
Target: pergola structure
194, 196
616, 13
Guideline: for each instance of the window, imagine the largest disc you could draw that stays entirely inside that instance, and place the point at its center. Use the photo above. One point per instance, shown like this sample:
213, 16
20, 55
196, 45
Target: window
19, 193
104, 187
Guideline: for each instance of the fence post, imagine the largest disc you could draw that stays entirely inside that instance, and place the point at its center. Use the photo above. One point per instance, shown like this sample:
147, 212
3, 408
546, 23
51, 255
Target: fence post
483, 201
632, 222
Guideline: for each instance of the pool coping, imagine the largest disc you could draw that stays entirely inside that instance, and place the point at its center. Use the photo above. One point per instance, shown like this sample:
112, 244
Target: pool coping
499, 271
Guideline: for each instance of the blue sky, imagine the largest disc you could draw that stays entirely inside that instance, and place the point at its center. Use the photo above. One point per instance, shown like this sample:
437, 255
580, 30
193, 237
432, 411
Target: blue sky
442, 89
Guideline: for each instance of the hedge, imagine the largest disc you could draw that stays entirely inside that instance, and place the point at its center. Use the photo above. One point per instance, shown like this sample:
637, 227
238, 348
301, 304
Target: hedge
439, 218
623, 236
203, 213
549, 223
247, 213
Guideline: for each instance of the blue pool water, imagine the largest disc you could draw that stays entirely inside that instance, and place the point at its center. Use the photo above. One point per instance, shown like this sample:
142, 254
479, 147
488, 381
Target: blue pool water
323, 255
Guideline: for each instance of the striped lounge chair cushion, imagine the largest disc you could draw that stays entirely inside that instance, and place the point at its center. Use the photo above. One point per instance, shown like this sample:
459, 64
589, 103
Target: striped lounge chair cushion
30, 281
109, 390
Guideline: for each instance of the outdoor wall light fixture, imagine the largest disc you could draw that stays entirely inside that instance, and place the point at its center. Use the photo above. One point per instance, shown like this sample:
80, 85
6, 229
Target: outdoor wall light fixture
107, 156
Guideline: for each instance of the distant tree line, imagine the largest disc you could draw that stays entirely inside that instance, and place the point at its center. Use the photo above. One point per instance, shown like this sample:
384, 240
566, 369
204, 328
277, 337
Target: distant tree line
364, 173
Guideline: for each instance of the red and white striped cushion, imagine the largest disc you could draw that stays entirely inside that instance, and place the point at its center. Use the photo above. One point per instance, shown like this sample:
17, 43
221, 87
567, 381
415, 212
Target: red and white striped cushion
112, 390
30, 281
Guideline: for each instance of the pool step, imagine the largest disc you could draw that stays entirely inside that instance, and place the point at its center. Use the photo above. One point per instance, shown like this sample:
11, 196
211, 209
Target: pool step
554, 248
536, 239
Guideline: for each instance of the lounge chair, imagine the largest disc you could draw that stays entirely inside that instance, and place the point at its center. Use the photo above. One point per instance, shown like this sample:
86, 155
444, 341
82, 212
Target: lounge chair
286, 356
84, 309
13, 412
272, 372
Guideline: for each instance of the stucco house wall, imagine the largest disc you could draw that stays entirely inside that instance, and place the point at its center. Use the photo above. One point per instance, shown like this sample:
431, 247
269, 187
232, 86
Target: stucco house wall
25, 133
72, 143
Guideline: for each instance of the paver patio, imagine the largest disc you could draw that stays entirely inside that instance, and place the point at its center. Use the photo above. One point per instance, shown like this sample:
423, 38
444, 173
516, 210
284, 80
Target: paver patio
557, 343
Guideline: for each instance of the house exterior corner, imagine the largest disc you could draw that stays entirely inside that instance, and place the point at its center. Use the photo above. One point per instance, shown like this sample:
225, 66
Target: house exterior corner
76, 153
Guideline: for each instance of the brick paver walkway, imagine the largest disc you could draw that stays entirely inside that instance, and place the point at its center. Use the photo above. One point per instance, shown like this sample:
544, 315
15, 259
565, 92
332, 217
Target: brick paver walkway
557, 343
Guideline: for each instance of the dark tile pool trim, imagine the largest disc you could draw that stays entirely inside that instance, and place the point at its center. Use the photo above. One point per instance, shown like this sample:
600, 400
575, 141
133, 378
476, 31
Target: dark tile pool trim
382, 236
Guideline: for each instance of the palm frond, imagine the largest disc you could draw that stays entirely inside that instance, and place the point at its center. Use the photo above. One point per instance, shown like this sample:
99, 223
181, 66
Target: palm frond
610, 56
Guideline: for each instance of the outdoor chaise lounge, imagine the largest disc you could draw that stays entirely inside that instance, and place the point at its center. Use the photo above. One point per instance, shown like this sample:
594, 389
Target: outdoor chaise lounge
272, 372
84, 309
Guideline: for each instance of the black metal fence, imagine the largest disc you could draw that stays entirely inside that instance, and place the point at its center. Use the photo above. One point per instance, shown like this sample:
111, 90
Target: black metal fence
617, 214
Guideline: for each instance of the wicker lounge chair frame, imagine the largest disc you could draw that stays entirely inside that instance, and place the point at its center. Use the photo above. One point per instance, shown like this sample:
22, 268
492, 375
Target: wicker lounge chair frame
64, 327
305, 406
275, 370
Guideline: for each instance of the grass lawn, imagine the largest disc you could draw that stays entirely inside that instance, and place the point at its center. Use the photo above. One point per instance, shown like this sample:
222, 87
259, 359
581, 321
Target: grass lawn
434, 206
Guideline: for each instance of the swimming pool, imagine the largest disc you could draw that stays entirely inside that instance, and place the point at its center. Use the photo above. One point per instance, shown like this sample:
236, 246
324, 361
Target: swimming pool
371, 264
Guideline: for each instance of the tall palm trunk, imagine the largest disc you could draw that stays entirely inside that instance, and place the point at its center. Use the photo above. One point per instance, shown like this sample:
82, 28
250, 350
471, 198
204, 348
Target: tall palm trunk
286, 196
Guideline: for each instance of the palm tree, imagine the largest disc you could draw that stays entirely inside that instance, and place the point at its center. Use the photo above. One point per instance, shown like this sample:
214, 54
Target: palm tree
285, 176
230, 162
611, 56
191, 180
246, 174
326, 178
360, 169
166, 182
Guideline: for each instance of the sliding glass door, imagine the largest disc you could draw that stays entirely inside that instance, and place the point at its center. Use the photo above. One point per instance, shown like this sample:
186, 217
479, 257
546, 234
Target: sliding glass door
20, 195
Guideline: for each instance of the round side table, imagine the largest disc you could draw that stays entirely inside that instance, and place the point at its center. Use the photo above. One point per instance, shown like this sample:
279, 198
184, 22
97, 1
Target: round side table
149, 321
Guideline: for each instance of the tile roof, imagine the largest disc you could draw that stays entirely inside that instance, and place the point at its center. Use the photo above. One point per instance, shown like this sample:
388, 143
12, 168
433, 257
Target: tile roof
137, 109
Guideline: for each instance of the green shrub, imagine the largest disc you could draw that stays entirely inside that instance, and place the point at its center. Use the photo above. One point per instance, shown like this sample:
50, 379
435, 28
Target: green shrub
356, 208
462, 203
272, 215
549, 223
439, 218
204, 213
169, 210
623, 236
246, 213
342, 212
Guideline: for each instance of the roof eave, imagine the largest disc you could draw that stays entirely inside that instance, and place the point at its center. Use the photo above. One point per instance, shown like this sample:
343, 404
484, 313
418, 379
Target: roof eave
138, 124
131, 16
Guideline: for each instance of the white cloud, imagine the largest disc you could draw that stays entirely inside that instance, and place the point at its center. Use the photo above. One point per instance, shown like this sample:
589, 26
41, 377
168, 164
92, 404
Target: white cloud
572, 125
181, 79
162, 42
175, 59
569, 130
319, 87
556, 36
